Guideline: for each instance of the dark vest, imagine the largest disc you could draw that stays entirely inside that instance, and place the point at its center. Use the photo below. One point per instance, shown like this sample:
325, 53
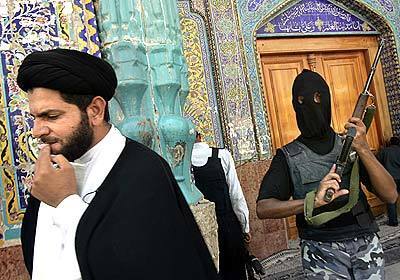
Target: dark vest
210, 180
306, 170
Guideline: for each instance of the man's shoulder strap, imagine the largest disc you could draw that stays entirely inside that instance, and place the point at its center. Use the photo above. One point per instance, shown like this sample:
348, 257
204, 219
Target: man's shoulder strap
292, 149
214, 152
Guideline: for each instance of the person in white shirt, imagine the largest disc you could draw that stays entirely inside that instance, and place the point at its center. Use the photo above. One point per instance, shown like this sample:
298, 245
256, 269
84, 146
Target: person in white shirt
120, 216
215, 175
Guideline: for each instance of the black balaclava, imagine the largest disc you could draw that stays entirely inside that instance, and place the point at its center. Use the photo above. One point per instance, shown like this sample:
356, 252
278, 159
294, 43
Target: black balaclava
312, 104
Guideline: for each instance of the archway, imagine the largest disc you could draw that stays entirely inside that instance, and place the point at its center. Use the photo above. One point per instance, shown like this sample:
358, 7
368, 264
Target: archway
389, 58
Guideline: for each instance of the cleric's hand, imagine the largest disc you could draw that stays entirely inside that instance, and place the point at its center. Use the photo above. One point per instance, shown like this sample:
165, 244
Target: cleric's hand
331, 180
51, 185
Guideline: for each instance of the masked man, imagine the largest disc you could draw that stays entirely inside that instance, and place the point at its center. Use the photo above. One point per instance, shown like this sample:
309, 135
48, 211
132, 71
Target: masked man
346, 247
128, 218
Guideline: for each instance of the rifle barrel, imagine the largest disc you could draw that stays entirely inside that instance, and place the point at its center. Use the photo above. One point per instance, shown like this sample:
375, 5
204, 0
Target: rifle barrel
373, 66
358, 112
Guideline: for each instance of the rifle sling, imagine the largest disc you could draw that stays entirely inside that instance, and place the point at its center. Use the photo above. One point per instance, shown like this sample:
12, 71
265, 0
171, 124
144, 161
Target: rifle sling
354, 189
330, 215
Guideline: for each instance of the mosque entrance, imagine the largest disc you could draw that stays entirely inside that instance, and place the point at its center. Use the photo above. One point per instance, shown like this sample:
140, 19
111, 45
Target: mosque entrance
344, 62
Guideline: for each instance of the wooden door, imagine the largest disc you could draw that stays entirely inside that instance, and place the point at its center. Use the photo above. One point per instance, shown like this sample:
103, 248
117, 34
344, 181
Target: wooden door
345, 72
279, 73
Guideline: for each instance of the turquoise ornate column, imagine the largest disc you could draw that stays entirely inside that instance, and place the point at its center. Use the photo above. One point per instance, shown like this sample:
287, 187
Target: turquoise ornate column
142, 40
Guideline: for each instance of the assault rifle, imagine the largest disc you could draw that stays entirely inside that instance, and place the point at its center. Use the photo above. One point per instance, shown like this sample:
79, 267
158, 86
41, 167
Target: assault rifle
359, 111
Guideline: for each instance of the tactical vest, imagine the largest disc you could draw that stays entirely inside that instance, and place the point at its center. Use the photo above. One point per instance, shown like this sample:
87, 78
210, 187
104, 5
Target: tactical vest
307, 170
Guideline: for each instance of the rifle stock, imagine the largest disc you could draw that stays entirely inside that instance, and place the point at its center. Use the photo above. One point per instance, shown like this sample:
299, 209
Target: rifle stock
358, 112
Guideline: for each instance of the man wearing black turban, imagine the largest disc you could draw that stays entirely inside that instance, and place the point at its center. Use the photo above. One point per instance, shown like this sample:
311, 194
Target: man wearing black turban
346, 247
102, 206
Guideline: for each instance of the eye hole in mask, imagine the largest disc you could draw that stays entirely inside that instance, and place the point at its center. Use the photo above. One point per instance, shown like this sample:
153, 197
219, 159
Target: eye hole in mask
300, 99
317, 97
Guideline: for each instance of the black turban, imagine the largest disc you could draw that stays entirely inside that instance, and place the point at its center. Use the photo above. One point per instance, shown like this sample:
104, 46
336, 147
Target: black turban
313, 118
68, 71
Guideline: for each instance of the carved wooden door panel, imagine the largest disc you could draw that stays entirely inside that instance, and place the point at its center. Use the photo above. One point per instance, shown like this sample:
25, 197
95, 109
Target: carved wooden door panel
346, 74
279, 73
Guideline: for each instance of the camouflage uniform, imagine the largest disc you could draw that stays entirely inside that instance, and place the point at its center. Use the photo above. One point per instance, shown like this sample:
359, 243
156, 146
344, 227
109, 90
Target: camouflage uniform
357, 258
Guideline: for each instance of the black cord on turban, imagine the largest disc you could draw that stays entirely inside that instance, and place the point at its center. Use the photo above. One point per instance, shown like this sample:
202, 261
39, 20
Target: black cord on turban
68, 71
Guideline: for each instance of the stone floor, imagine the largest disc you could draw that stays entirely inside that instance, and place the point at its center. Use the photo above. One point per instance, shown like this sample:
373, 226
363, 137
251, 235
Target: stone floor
287, 264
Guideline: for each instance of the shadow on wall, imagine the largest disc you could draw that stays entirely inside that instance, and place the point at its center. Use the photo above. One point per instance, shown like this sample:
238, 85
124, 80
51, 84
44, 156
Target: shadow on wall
263, 231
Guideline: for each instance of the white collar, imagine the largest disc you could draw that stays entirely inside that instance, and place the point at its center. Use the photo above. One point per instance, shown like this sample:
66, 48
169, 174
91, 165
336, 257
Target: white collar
96, 149
97, 162
200, 145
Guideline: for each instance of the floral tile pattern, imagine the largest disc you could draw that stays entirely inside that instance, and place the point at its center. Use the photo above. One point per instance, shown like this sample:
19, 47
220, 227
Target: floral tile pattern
27, 26
231, 28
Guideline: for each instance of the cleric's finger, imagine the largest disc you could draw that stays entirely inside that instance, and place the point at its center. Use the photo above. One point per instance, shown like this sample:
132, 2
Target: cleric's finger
43, 161
61, 161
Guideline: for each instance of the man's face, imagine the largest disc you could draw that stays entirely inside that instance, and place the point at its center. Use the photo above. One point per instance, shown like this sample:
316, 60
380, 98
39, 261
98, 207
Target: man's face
60, 124
311, 102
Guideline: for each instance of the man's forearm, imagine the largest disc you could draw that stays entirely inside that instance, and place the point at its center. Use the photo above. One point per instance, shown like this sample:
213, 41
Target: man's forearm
382, 182
273, 208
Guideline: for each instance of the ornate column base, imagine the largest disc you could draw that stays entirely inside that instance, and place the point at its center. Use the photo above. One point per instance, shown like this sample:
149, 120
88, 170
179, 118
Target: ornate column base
204, 213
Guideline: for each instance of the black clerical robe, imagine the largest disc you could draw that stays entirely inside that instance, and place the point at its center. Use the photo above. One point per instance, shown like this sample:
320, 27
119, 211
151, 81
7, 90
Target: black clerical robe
138, 226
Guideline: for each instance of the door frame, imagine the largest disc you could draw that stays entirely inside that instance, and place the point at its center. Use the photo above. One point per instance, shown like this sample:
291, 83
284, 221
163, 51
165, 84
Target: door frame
367, 44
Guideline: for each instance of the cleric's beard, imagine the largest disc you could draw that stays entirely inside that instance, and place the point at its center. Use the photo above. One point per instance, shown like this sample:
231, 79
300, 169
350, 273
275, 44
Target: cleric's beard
79, 142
